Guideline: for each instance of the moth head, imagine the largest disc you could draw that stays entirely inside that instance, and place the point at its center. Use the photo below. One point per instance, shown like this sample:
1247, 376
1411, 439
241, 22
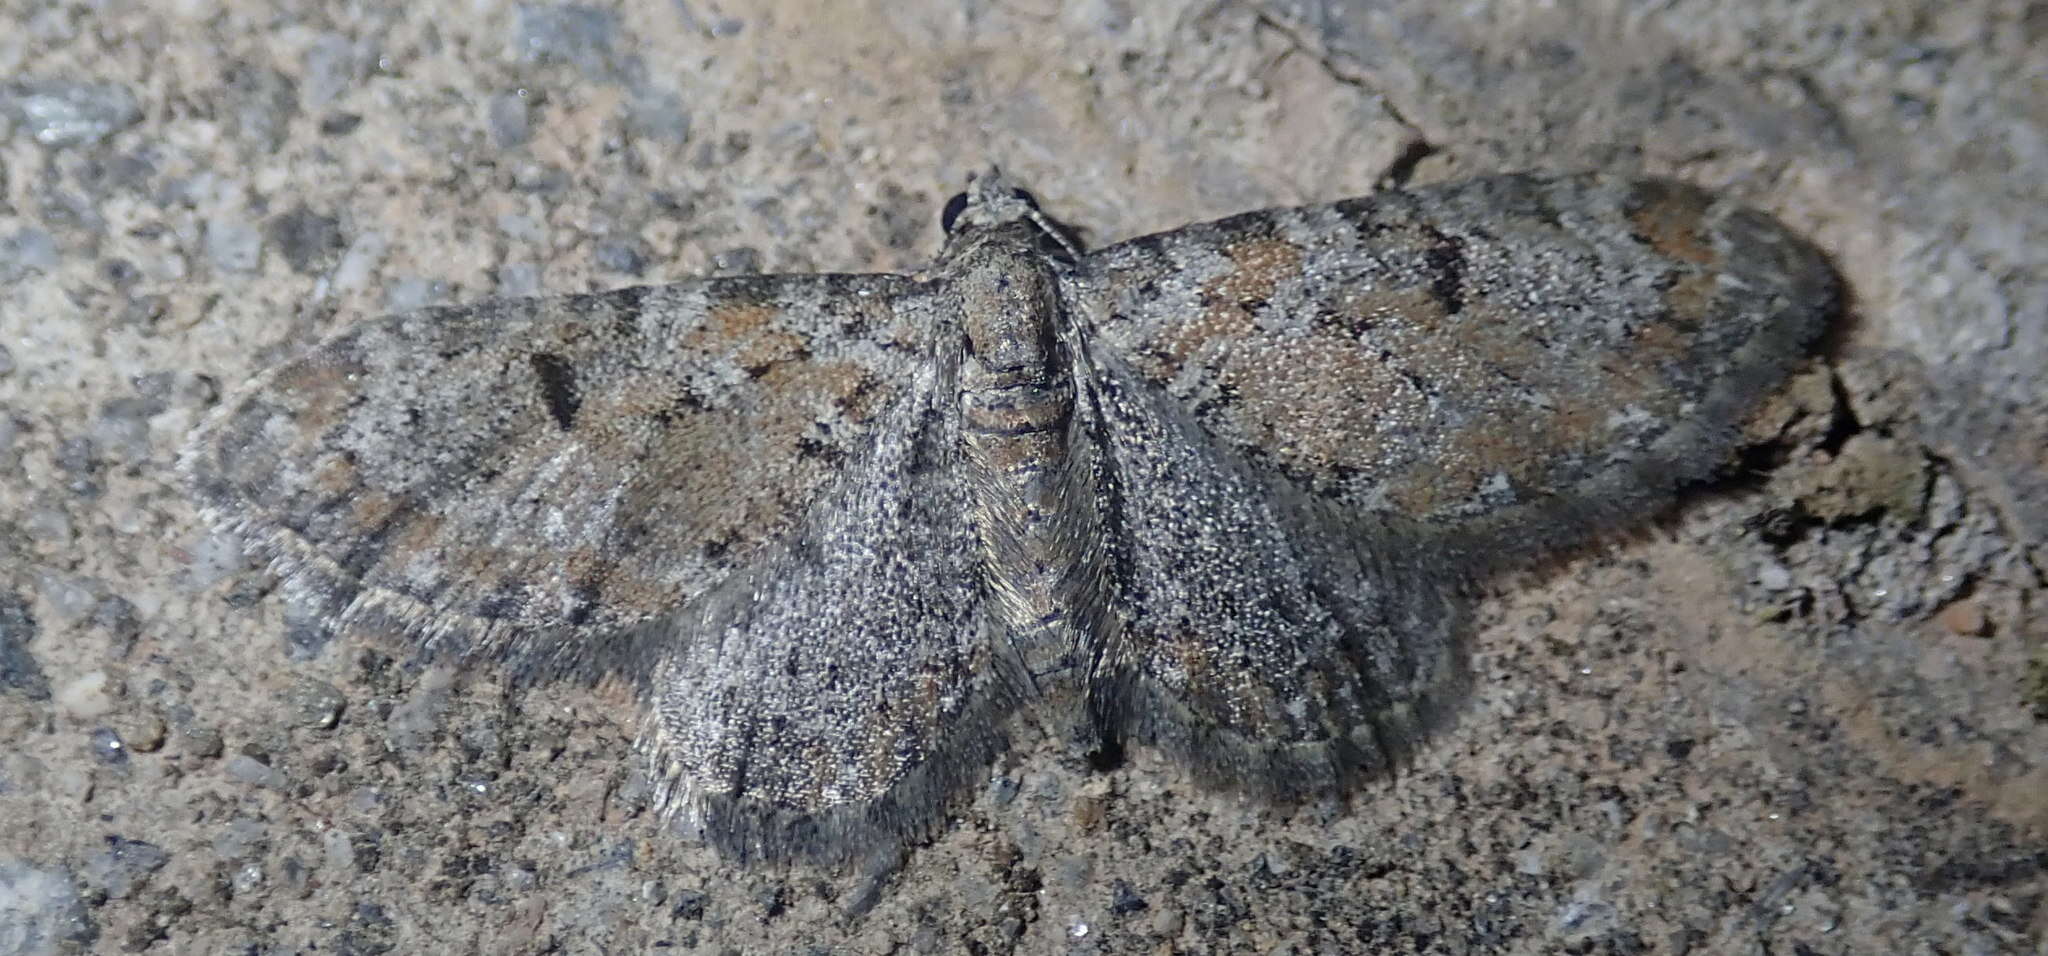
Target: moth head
991, 201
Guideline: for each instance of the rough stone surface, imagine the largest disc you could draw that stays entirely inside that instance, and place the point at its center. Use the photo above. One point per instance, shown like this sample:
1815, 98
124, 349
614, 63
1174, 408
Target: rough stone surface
1760, 726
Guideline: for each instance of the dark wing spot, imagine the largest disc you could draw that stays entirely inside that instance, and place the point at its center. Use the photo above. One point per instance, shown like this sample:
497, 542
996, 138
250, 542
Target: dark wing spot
761, 369
627, 306
858, 395
1226, 397
557, 388
859, 325
717, 548
586, 596
811, 448
1417, 382
631, 537
1350, 326
686, 402
1446, 259
505, 600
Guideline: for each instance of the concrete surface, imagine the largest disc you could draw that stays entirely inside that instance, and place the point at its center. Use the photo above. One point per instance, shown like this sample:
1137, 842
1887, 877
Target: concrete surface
1804, 714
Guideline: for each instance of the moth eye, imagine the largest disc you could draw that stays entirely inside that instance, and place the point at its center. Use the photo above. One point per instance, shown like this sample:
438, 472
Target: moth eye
1024, 197
954, 207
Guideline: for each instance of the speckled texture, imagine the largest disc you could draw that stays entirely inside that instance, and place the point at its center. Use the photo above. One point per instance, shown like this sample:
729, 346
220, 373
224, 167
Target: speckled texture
1230, 481
1791, 716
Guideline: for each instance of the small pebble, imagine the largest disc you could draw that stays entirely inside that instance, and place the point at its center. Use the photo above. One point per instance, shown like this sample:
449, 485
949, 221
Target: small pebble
255, 772
1124, 900
76, 114
30, 250
315, 704
242, 837
121, 868
87, 696
234, 245
144, 734
108, 747
202, 742
1090, 811
1965, 619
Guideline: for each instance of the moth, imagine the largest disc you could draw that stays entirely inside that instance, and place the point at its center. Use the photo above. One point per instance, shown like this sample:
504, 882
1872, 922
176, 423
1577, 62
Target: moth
1223, 490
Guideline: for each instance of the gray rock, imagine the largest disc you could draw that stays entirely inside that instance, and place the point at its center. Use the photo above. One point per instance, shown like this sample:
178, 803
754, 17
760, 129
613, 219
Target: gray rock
582, 36
116, 616
240, 839
621, 255
307, 240
518, 279
265, 100
738, 260
415, 721
659, 115
340, 124
1124, 900
122, 868
332, 66
27, 250
19, 671
405, 295
315, 704
234, 245
254, 772
108, 747
40, 912
78, 456
122, 428
202, 742
505, 115
360, 261
48, 525
72, 114
522, 228
71, 596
